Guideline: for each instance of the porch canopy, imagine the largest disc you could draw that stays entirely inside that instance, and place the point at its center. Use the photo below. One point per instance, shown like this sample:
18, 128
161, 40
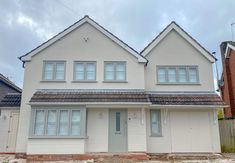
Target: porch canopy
127, 96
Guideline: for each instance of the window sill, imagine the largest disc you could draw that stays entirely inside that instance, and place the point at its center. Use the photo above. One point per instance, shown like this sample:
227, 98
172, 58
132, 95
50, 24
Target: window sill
53, 81
58, 137
84, 81
114, 81
178, 83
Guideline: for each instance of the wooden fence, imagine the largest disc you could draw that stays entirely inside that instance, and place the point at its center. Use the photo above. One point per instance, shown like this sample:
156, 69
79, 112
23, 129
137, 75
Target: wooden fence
227, 135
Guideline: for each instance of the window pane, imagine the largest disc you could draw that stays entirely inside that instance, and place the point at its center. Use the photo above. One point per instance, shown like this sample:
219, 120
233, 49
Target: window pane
155, 122
161, 75
51, 122
90, 67
79, 76
59, 71
79, 71
118, 116
109, 67
120, 67
120, 75
109, 71
39, 122
48, 71
192, 75
64, 122
75, 122
90, 74
182, 75
120, 71
172, 75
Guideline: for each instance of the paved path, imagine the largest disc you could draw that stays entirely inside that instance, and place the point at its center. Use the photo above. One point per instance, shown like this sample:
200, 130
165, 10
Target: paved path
224, 158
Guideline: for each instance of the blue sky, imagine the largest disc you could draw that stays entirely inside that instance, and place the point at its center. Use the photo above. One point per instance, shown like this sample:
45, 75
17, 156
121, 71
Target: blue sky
24, 24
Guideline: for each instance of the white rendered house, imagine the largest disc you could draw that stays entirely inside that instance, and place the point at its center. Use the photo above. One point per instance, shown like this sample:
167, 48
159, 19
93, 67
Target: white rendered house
87, 91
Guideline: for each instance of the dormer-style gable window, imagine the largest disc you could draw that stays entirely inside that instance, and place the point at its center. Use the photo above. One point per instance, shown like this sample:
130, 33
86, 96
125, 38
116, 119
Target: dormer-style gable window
54, 71
177, 75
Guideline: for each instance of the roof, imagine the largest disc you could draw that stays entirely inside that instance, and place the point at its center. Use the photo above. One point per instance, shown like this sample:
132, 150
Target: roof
184, 34
186, 99
90, 96
125, 96
9, 83
85, 19
11, 100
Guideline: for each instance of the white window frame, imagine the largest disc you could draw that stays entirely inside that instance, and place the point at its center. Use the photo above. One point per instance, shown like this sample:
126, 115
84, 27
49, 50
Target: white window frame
85, 71
187, 67
115, 63
160, 123
54, 70
58, 109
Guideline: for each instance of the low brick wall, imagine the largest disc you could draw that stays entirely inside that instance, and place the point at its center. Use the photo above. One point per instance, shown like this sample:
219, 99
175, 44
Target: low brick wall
67, 157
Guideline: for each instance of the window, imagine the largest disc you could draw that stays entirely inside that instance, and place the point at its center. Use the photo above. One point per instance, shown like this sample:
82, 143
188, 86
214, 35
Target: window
155, 117
39, 122
54, 70
114, 71
84, 71
192, 75
118, 125
51, 122
177, 75
57, 122
171, 75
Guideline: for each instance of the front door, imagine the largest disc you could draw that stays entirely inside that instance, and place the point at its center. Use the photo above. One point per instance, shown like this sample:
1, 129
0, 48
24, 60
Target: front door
118, 130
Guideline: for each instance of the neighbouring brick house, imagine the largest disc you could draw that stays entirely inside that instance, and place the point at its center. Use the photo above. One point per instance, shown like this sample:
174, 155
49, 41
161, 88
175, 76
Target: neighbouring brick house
10, 97
227, 83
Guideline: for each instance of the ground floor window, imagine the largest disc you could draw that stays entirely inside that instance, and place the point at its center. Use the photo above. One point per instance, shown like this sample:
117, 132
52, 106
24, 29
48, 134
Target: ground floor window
58, 121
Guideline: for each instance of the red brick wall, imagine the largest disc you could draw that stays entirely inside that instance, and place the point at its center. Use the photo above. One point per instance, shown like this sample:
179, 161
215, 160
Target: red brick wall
228, 90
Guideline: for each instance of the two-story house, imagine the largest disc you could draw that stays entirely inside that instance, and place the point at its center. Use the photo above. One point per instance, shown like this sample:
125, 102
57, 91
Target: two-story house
227, 83
86, 91
10, 97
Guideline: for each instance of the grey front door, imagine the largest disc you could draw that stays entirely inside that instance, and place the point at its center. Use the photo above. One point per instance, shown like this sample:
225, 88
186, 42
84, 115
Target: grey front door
117, 130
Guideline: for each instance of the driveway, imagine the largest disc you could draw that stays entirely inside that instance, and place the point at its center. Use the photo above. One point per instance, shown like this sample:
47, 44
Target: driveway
168, 158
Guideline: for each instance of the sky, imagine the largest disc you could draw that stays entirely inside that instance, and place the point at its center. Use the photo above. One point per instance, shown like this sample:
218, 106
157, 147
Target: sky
25, 24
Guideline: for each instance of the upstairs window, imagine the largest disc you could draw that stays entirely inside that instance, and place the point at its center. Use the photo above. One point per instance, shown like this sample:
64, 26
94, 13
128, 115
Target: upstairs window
85, 71
177, 75
54, 70
115, 71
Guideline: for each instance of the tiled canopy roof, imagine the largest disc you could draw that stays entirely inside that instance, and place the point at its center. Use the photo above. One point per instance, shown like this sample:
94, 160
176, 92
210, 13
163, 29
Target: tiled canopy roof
90, 96
125, 96
11, 100
186, 99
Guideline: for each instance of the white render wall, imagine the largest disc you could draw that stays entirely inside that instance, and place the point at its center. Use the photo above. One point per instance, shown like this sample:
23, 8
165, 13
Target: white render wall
4, 127
163, 144
175, 50
136, 130
56, 146
97, 130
